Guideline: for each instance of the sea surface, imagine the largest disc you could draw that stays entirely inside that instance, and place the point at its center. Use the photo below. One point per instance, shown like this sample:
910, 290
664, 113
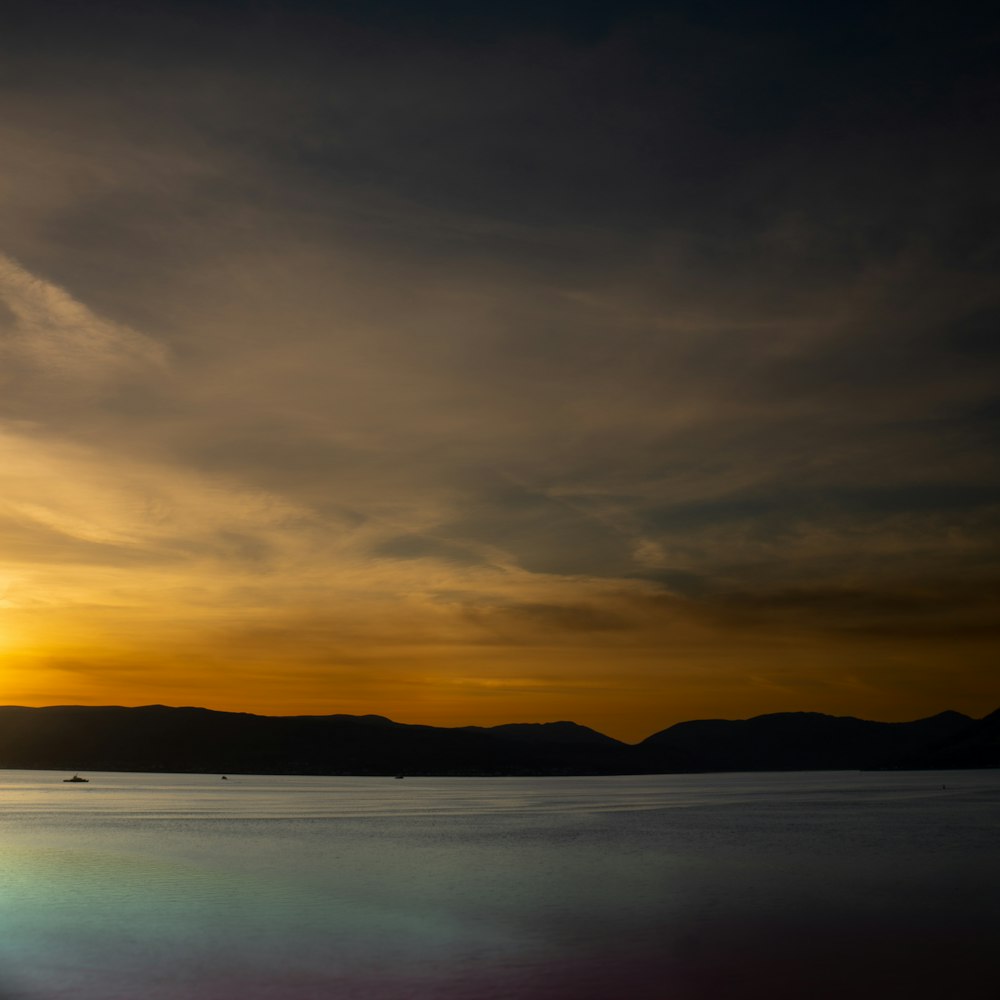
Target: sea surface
670, 887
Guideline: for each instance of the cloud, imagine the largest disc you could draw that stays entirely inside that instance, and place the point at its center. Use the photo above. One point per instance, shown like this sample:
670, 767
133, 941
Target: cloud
58, 338
417, 547
572, 618
941, 610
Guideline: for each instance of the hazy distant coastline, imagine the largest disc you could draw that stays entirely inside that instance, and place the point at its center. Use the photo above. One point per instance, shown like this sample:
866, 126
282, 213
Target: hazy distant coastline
158, 738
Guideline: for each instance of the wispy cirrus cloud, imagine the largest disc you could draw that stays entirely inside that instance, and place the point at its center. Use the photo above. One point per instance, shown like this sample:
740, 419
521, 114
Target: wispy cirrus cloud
48, 334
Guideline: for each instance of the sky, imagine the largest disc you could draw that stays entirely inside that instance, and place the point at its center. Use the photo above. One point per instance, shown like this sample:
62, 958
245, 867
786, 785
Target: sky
471, 364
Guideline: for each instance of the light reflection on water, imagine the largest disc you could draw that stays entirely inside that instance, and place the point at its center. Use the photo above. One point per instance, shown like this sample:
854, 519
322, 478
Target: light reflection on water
685, 887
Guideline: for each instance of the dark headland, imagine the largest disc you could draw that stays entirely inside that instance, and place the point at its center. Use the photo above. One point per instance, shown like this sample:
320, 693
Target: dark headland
197, 740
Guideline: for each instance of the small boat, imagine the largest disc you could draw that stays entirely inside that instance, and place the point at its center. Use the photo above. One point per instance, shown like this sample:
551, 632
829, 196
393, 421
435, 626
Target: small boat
75, 780
399, 777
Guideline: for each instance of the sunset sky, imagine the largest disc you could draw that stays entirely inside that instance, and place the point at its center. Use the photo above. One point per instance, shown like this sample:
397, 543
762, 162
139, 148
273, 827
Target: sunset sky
471, 364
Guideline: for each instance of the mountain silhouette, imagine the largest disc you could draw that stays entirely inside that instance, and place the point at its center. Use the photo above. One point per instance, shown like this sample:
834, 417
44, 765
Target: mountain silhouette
809, 740
158, 738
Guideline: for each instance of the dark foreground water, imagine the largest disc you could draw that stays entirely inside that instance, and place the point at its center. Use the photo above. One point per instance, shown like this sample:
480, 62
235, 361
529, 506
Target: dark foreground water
716, 887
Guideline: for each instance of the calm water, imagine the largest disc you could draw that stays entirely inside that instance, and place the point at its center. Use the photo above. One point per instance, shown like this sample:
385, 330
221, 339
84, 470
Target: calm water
713, 887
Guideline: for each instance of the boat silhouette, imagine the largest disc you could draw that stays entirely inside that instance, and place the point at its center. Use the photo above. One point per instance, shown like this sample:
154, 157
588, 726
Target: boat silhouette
76, 779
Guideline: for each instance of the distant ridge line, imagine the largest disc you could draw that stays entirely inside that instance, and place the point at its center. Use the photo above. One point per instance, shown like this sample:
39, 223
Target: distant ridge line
192, 739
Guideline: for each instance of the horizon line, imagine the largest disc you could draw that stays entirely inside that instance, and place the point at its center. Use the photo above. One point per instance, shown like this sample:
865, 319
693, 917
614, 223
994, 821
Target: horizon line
550, 722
